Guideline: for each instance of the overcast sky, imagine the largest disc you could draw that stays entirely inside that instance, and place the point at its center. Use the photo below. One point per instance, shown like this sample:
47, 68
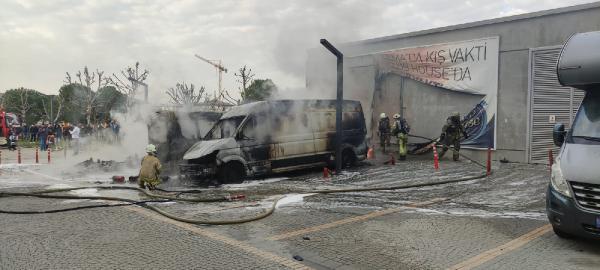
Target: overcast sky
41, 40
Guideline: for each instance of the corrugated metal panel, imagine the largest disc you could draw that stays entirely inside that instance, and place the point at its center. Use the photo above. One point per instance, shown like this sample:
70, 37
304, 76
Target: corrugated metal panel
548, 100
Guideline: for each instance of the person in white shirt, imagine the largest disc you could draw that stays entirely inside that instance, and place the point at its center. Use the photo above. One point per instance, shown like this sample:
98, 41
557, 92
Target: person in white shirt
75, 138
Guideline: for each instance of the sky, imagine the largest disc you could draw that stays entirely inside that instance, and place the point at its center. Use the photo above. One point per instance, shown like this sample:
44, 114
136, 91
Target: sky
41, 40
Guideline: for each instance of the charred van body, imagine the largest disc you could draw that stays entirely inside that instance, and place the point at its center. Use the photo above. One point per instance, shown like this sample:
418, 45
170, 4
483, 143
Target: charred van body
276, 136
175, 131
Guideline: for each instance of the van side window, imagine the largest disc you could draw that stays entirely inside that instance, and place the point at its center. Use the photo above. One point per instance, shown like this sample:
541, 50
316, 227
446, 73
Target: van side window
256, 128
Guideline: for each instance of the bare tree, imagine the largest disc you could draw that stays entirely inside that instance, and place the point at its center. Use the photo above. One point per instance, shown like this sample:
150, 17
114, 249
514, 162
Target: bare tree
88, 80
128, 83
23, 100
246, 77
186, 95
48, 110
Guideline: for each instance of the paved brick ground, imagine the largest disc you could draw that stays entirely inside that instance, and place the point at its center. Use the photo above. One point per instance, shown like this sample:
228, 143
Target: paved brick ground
109, 238
475, 217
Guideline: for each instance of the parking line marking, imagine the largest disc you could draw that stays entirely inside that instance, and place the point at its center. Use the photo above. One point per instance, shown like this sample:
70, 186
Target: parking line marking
503, 249
350, 220
223, 239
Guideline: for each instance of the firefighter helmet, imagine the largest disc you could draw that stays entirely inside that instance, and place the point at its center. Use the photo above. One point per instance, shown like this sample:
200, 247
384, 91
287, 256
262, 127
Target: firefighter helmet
151, 148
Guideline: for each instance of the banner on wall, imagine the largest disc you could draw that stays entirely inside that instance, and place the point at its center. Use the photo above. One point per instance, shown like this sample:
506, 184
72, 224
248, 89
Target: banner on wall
469, 66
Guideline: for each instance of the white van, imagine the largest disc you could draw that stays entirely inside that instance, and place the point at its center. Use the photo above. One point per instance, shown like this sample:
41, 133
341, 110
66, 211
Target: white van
573, 197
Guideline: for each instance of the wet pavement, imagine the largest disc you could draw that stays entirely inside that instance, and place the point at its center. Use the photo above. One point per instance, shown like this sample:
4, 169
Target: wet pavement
496, 222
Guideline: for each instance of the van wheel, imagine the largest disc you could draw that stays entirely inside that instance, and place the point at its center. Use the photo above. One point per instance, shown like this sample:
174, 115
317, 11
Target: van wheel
348, 158
561, 234
232, 172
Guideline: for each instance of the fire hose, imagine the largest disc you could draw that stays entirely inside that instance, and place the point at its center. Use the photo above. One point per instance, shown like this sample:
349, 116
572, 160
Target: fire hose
48, 194
164, 198
449, 147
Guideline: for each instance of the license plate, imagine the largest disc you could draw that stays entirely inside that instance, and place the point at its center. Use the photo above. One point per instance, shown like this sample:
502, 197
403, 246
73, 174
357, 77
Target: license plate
598, 222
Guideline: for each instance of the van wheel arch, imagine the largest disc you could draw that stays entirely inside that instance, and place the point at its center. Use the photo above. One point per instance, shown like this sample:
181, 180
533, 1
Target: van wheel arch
348, 157
231, 172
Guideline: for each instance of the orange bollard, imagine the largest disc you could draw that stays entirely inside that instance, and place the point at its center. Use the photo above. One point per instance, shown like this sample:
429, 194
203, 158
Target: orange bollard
436, 161
19, 155
325, 172
48, 155
488, 170
37, 155
550, 158
0, 157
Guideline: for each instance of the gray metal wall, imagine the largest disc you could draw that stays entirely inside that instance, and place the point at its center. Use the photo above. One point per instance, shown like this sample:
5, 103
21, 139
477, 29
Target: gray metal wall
517, 35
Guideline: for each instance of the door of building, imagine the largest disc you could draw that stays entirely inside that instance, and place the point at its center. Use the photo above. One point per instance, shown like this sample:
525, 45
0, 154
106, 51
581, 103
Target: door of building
549, 103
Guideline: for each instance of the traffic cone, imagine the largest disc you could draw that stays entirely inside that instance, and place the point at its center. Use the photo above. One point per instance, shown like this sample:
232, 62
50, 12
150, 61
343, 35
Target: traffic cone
436, 161
370, 153
325, 172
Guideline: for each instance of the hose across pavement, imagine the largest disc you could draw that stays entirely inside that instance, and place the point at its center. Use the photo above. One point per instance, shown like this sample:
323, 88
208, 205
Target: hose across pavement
163, 198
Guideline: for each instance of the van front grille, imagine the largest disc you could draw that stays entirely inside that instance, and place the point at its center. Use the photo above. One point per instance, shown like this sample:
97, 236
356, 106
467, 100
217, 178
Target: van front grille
587, 195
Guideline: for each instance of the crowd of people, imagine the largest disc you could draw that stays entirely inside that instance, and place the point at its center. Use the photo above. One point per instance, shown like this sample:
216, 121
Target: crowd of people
55, 136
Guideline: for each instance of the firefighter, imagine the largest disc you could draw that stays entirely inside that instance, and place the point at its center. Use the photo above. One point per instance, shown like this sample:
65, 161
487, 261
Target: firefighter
452, 132
150, 171
384, 131
401, 129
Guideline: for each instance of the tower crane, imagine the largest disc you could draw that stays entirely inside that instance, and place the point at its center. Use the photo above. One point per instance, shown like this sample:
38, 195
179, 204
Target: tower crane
220, 69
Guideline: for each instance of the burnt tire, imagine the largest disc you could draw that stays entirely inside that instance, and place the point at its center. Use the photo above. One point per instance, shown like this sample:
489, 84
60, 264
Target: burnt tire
232, 172
348, 158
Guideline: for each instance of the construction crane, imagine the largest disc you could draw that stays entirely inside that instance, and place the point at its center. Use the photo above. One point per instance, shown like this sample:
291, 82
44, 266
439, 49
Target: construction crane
220, 70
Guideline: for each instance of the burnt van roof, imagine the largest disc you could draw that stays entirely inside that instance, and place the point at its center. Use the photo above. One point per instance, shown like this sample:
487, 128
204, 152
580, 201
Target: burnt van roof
245, 109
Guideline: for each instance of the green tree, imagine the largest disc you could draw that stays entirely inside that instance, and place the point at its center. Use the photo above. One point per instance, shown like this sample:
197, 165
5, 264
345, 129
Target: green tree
28, 104
259, 90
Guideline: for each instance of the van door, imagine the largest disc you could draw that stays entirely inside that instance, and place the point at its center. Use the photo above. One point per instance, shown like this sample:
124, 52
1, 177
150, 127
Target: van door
323, 125
293, 137
254, 139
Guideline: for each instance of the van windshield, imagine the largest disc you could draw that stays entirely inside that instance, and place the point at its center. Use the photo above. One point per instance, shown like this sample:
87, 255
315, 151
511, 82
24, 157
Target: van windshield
225, 128
587, 123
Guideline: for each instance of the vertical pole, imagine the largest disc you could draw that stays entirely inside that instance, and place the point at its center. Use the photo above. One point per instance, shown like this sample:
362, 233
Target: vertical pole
436, 158
48, 155
0, 156
338, 104
19, 155
488, 170
550, 158
37, 154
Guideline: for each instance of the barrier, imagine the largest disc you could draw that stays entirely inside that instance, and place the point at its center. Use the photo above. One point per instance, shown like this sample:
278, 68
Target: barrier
436, 159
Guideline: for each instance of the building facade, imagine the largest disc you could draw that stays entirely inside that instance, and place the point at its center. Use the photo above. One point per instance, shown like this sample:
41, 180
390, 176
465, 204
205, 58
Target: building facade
515, 81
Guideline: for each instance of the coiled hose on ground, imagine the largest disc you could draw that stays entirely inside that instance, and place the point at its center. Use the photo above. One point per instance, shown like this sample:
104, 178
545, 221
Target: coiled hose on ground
164, 198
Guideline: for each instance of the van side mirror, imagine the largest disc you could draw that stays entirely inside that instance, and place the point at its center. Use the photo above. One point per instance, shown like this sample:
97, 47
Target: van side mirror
558, 134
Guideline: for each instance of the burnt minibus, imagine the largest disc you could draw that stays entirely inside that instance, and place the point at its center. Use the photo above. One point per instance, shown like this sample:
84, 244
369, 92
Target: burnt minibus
275, 136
